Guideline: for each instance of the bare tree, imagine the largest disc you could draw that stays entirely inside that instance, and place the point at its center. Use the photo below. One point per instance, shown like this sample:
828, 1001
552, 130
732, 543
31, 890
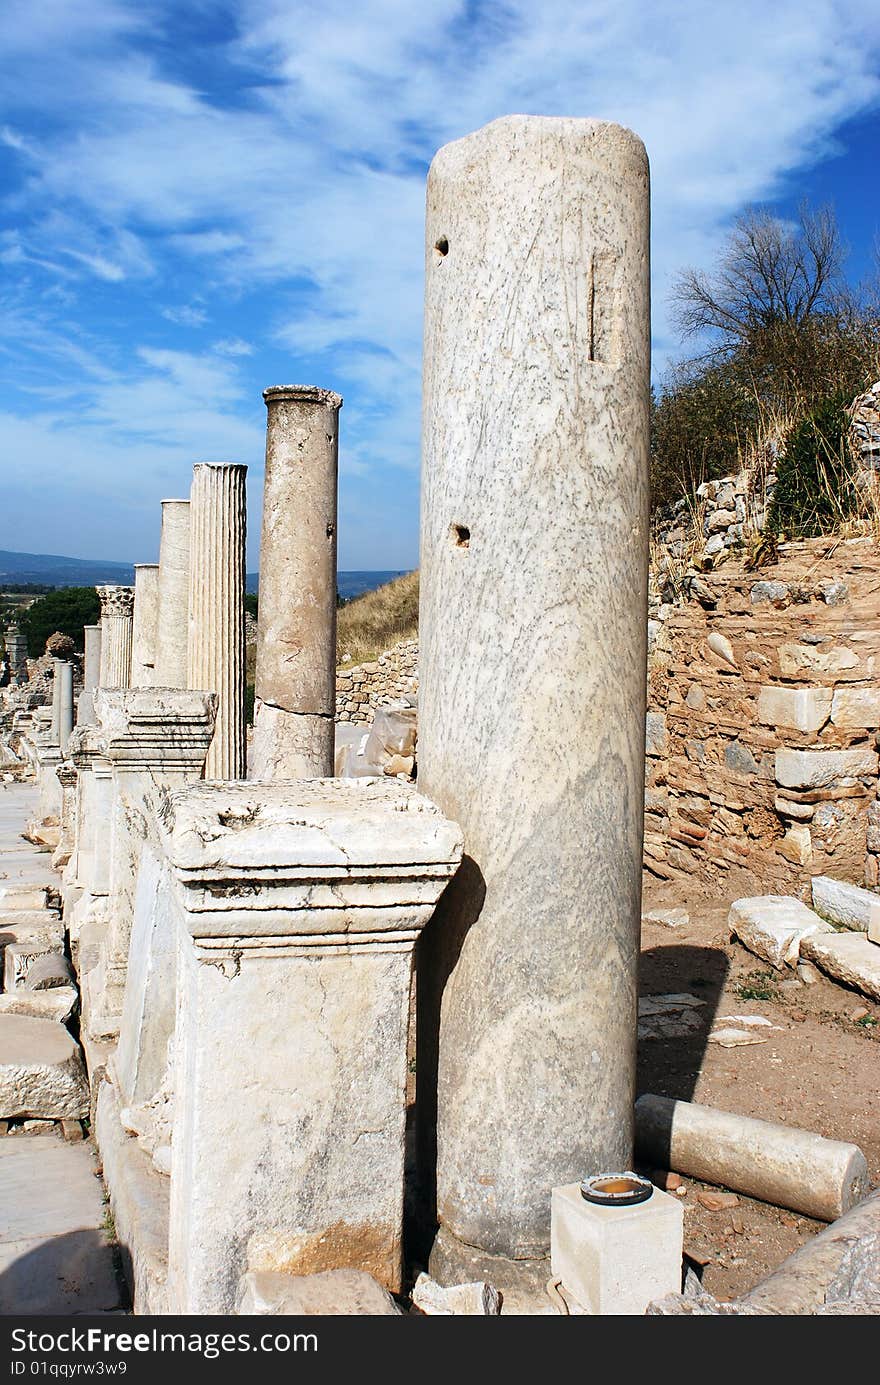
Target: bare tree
771, 275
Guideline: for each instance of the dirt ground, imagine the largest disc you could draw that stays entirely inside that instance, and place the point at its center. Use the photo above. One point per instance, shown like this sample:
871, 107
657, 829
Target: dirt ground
817, 1070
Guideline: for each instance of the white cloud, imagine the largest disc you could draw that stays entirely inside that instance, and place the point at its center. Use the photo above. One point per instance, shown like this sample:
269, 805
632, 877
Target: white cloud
233, 346
186, 316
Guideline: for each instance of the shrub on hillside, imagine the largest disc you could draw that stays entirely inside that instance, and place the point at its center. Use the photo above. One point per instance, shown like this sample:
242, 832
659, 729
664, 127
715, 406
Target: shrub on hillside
814, 489
65, 610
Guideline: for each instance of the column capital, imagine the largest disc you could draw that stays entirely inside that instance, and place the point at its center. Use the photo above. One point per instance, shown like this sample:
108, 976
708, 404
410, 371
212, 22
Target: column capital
115, 600
302, 394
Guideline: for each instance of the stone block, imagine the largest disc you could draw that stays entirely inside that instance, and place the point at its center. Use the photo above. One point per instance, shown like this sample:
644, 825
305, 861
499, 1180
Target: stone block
856, 707
846, 904
48, 972
816, 769
57, 1005
798, 709
27, 897
656, 742
848, 957
475, 1300
333, 1292
776, 593
797, 845
739, 759
17, 959
41, 1071
615, 1260
802, 660
774, 926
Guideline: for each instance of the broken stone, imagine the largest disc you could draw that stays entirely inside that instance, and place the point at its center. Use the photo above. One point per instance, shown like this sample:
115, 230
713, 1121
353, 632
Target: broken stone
734, 1038
41, 1071
777, 593
48, 972
800, 660
459, 1300
333, 1292
801, 812
72, 1131
57, 1004
847, 957
797, 845
740, 759
857, 708
808, 973
720, 645
717, 1202
799, 709
846, 904
655, 734
676, 916
19, 957
774, 926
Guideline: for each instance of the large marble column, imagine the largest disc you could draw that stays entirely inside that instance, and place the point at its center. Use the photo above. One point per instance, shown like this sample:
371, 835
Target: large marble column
216, 652
295, 703
85, 707
173, 596
144, 625
533, 619
56, 701
116, 615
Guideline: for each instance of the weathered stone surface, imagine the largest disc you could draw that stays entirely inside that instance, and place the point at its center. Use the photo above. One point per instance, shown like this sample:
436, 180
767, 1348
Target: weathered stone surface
797, 845
338, 1292
777, 593
18, 897
800, 1284
117, 605
801, 660
41, 1071
774, 927
856, 708
145, 625
740, 759
18, 957
672, 916
720, 645
815, 769
847, 957
778, 1164
172, 627
535, 428
801, 709
841, 902
458, 1300
48, 972
296, 640
656, 740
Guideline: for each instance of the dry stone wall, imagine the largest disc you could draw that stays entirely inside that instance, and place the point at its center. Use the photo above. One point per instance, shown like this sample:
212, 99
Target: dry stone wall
392, 677
762, 733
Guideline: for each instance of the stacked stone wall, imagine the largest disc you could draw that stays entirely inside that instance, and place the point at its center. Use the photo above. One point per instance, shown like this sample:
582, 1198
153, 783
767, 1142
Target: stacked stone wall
764, 709
392, 677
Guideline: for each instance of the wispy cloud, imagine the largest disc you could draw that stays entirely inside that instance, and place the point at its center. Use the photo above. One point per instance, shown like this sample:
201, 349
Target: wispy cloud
266, 174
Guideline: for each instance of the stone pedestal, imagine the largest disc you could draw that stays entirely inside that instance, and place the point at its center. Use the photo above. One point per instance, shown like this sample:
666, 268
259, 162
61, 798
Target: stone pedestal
85, 708
154, 740
67, 776
300, 907
216, 653
117, 604
533, 645
145, 625
295, 703
173, 596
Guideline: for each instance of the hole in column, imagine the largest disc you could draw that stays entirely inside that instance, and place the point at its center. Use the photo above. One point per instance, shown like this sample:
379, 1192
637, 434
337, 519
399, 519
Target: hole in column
331, 530
461, 535
441, 249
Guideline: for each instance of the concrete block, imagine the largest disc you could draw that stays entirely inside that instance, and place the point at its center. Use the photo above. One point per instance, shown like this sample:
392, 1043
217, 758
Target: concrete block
797, 709
615, 1260
774, 926
846, 904
847, 957
816, 769
856, 707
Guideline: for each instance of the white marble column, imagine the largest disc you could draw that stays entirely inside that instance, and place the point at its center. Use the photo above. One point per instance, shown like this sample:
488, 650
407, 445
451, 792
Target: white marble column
145, 625
56, 701
173, 597
116, 616
216, 652
64, 675
295, 703
85, 707
532, 701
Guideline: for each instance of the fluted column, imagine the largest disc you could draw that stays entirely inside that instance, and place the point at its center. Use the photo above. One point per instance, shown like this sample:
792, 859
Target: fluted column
216, 648
172, 627
144, 623
85, 707
116, 615
295, 705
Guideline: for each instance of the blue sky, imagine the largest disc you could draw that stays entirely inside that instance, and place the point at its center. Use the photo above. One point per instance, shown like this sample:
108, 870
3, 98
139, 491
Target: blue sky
201, 198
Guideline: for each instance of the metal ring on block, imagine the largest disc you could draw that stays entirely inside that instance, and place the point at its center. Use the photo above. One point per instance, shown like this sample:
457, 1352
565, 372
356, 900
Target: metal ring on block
616, 1189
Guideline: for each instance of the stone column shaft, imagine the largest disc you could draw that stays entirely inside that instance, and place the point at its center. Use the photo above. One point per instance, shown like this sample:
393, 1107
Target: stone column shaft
116, 614
533, 631
144, 625
64, 675
216, 652
172, 630
295, 703
85, 707
56, 701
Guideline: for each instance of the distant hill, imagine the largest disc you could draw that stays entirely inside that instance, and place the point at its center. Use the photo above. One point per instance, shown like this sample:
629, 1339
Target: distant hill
52, 570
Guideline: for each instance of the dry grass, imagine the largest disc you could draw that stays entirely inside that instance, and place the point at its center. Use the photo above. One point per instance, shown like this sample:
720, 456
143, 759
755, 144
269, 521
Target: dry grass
377, 620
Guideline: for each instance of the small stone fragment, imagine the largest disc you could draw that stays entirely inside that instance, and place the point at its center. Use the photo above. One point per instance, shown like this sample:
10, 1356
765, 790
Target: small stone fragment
459, 1300
717, 1202
72, 1131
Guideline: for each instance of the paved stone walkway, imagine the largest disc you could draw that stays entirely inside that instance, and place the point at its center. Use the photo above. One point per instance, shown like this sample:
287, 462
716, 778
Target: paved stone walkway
54, 1254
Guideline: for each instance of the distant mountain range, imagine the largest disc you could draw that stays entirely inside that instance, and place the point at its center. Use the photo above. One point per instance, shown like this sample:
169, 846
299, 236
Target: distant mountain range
50, 570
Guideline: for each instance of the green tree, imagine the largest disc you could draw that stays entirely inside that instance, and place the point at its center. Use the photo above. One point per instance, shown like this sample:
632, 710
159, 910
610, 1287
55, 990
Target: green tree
67, 609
